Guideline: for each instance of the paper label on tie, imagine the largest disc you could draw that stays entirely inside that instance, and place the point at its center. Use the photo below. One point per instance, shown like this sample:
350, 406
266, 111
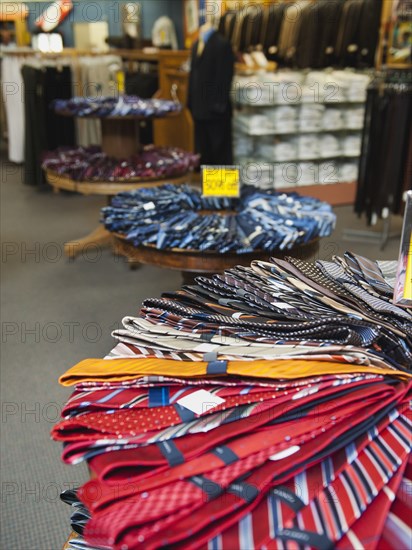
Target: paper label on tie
200, 401
285, 453
221, 181
149, 205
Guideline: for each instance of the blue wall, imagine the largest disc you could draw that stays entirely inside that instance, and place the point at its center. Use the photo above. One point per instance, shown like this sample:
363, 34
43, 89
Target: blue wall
110, 11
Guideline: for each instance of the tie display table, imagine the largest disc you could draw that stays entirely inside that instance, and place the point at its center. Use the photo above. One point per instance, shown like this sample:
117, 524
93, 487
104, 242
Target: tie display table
120, 147
176, 227
194, 262
229, 412
99, 236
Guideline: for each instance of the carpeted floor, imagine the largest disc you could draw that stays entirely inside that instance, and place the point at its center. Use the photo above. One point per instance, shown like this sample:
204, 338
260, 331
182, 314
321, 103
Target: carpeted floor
55, 312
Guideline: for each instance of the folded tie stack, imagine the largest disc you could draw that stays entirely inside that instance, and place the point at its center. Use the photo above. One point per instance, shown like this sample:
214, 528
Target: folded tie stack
268, 407
92, 164
124, 105
179, 217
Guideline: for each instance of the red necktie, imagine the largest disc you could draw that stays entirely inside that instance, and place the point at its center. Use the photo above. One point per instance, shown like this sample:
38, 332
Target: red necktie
235, 500
234, 455
182, 528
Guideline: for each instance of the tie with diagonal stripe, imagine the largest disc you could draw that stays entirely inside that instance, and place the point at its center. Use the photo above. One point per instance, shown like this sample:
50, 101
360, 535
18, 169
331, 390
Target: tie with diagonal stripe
287, 507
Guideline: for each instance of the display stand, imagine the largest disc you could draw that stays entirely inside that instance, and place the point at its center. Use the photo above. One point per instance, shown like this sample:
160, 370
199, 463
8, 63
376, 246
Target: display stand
120, 139
194, 262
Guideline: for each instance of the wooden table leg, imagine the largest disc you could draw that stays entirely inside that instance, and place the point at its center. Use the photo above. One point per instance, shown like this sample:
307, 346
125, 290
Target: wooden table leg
98, 238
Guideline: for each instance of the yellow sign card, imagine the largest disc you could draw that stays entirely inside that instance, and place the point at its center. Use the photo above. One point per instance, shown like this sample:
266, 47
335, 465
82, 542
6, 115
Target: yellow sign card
220, 181
407, 293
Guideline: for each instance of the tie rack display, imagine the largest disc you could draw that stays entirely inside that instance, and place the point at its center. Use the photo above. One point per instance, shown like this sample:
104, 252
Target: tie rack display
260, 408
121, 163
175, 227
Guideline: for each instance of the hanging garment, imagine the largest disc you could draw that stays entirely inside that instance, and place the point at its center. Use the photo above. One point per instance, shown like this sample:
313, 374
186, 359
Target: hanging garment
385, 146
13, 94
44, 129
210, 81
97, 78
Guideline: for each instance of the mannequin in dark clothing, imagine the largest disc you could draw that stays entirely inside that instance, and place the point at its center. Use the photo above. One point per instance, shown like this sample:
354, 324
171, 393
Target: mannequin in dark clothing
208, 96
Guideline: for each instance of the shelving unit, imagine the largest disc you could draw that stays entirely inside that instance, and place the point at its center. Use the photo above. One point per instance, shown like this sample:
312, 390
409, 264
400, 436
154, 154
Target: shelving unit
263, 97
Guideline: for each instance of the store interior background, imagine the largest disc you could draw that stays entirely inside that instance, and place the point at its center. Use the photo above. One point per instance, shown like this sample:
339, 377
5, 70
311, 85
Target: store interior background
56, 311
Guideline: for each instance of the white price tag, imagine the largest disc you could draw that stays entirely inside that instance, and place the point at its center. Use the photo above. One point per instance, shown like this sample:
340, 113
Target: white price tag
200, 401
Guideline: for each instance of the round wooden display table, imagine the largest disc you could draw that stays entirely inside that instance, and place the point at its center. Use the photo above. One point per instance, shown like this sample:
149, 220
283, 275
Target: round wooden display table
193, 262
100, 236
108, 188
120, 139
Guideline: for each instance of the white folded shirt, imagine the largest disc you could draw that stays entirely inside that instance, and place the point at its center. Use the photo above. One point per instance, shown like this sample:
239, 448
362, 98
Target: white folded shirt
329, 172
329, 146
352, 145
348, 171
308, 146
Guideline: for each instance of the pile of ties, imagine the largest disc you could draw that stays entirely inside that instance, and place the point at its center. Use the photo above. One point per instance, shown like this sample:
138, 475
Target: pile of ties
92, 164
179, 217
124, 105
268, 407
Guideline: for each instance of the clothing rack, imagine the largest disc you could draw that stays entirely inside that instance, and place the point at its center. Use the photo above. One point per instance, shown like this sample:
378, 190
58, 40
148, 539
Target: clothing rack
386, 157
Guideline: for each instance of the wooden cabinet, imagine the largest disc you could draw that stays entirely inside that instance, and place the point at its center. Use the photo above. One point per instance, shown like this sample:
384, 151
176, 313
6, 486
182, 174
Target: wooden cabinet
173, 84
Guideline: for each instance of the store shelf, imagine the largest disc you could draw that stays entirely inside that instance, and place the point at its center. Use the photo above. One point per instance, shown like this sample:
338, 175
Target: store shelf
300, 103
266, 162
298, 132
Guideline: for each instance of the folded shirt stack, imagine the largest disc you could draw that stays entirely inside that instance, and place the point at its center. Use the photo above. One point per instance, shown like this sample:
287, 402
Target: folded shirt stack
348, 171
354, 84
279, 149
255, 124
171, 217
332, 119
353, 118
310, 117
328, 172
308, 146
91, 164
329, 146
123, 105
283, 118
259, 408
352, 145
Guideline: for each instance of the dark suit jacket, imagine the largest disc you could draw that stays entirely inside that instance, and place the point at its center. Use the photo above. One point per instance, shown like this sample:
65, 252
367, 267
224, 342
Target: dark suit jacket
210, 79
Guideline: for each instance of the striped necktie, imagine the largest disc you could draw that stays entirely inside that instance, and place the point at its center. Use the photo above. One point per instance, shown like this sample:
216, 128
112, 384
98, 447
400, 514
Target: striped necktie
234, 456
143, 423
282, 505
335, 517
397, 532
370, 272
